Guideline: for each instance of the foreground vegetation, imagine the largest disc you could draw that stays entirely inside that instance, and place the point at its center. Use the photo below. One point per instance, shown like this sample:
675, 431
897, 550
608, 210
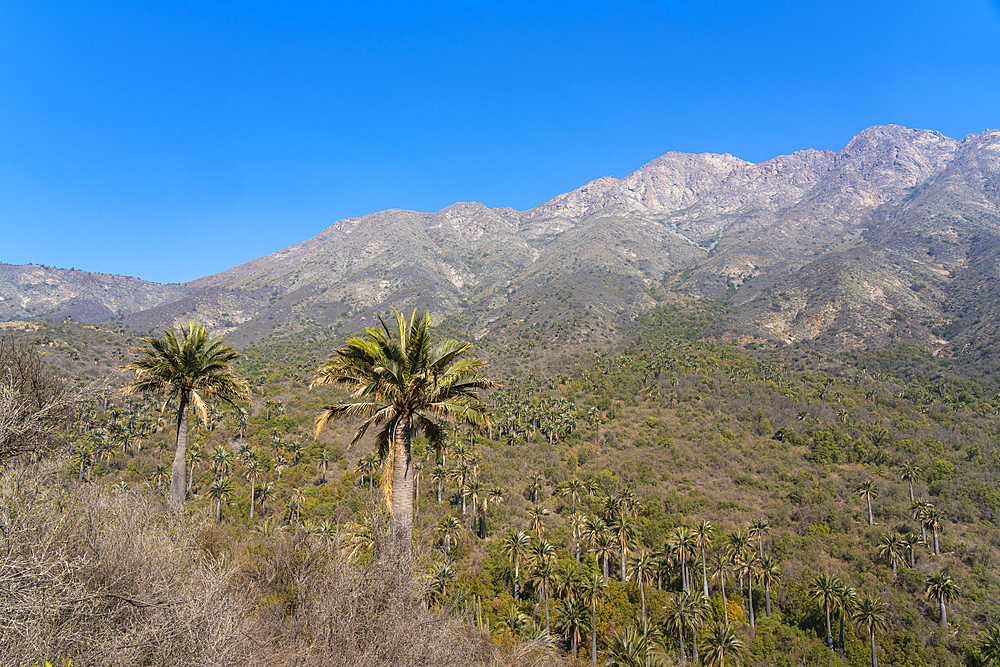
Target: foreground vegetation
676, 501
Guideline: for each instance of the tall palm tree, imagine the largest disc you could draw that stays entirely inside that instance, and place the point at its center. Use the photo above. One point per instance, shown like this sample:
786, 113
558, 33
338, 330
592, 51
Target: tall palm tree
870, 614
933, 518
536, 485
748, 566
538, 514
605, 547
473, 489
909, 541
622, 529
403, 383
845, 601
720, 643
253, 472
944, 588
908, 472
193, 369
449, 528
579, 524
770, 574
868, 492
439, 474
515, 545
738, 547
641, 568
574, 488
757, 530
221, 490
680, 614
824, 591
570, 623
703, 537
543, 575
594, 588
919, 509
720, 567
890, 550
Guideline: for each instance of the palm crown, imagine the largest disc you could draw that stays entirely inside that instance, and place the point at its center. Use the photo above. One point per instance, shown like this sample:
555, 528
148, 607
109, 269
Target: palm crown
192, 368
403, 382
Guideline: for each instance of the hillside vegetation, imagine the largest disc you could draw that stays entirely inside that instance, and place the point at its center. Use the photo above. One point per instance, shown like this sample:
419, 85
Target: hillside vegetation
762, 458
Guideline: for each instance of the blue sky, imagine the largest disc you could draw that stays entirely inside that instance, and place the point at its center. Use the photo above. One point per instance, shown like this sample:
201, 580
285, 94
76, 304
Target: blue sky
169, 140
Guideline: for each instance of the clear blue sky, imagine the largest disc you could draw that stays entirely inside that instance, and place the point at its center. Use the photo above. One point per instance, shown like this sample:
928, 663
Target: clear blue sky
169, 140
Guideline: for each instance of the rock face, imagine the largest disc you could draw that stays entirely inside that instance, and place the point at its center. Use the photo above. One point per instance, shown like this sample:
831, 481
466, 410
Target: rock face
894, 239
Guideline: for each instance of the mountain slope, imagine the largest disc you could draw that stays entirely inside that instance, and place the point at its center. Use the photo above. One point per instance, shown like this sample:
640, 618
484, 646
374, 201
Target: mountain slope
892, 239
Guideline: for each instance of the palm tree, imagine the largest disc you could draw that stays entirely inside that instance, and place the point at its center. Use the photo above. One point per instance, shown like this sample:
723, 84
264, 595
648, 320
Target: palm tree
739, 546
824, 591
538, 514
594, 588
605, 547
934, 517
845, 601
909, 541
868, 491
919, 509
944, 588
703, 537
570, 623
325, 458
160, 473
683, 612
890, 550
536, 486
222, 461
515, 545
719, 643
579, 524
748, 565
543, 574
870, 614
628, 648
449, 528
624, 534
439, 474
641, 568
720, 566
403, 384
265, 494
193, 457
757, 530
253, 472
472, 489
574, 488
908, 472
770, 574
192, 368
989, 645
219, 491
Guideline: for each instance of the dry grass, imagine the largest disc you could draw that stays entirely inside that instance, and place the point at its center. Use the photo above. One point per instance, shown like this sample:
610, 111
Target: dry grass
106, 576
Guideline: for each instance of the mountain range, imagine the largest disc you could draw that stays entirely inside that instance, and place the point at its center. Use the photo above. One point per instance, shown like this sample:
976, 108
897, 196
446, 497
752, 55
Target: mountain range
893, 240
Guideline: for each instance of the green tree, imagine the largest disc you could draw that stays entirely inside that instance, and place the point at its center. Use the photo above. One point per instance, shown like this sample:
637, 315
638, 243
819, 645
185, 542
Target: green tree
757, 530
570, 623
868, 492
989, 646
823, 590
890, 550
845, 601
770, 575
721, 643
404, 383
703, 538
221, 490
944, 588
870, 614
192, 369
515, 546
641, 568
449, 528
933, 517
537, 515
593, 591
909, 472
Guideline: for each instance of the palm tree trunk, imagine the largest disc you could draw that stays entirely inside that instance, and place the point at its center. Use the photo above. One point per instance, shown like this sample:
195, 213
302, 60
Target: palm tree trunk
767, 597
402, 496
439, 492
704, 572
642, 595
623, 563
725, 608
179, 469
829, 630
937, 549
944, 613
874, 657
593, 631
682, 649
251, 499
517, 580
750, 599
694, 645
841, 634
871, 520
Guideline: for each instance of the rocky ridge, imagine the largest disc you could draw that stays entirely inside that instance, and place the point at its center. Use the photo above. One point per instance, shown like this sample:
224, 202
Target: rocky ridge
894, 239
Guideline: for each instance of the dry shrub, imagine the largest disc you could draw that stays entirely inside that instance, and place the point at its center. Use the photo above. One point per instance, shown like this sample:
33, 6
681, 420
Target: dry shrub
107, 577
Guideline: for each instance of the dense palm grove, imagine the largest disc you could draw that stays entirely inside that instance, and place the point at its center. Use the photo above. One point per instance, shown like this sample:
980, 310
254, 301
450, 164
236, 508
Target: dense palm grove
677, 502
